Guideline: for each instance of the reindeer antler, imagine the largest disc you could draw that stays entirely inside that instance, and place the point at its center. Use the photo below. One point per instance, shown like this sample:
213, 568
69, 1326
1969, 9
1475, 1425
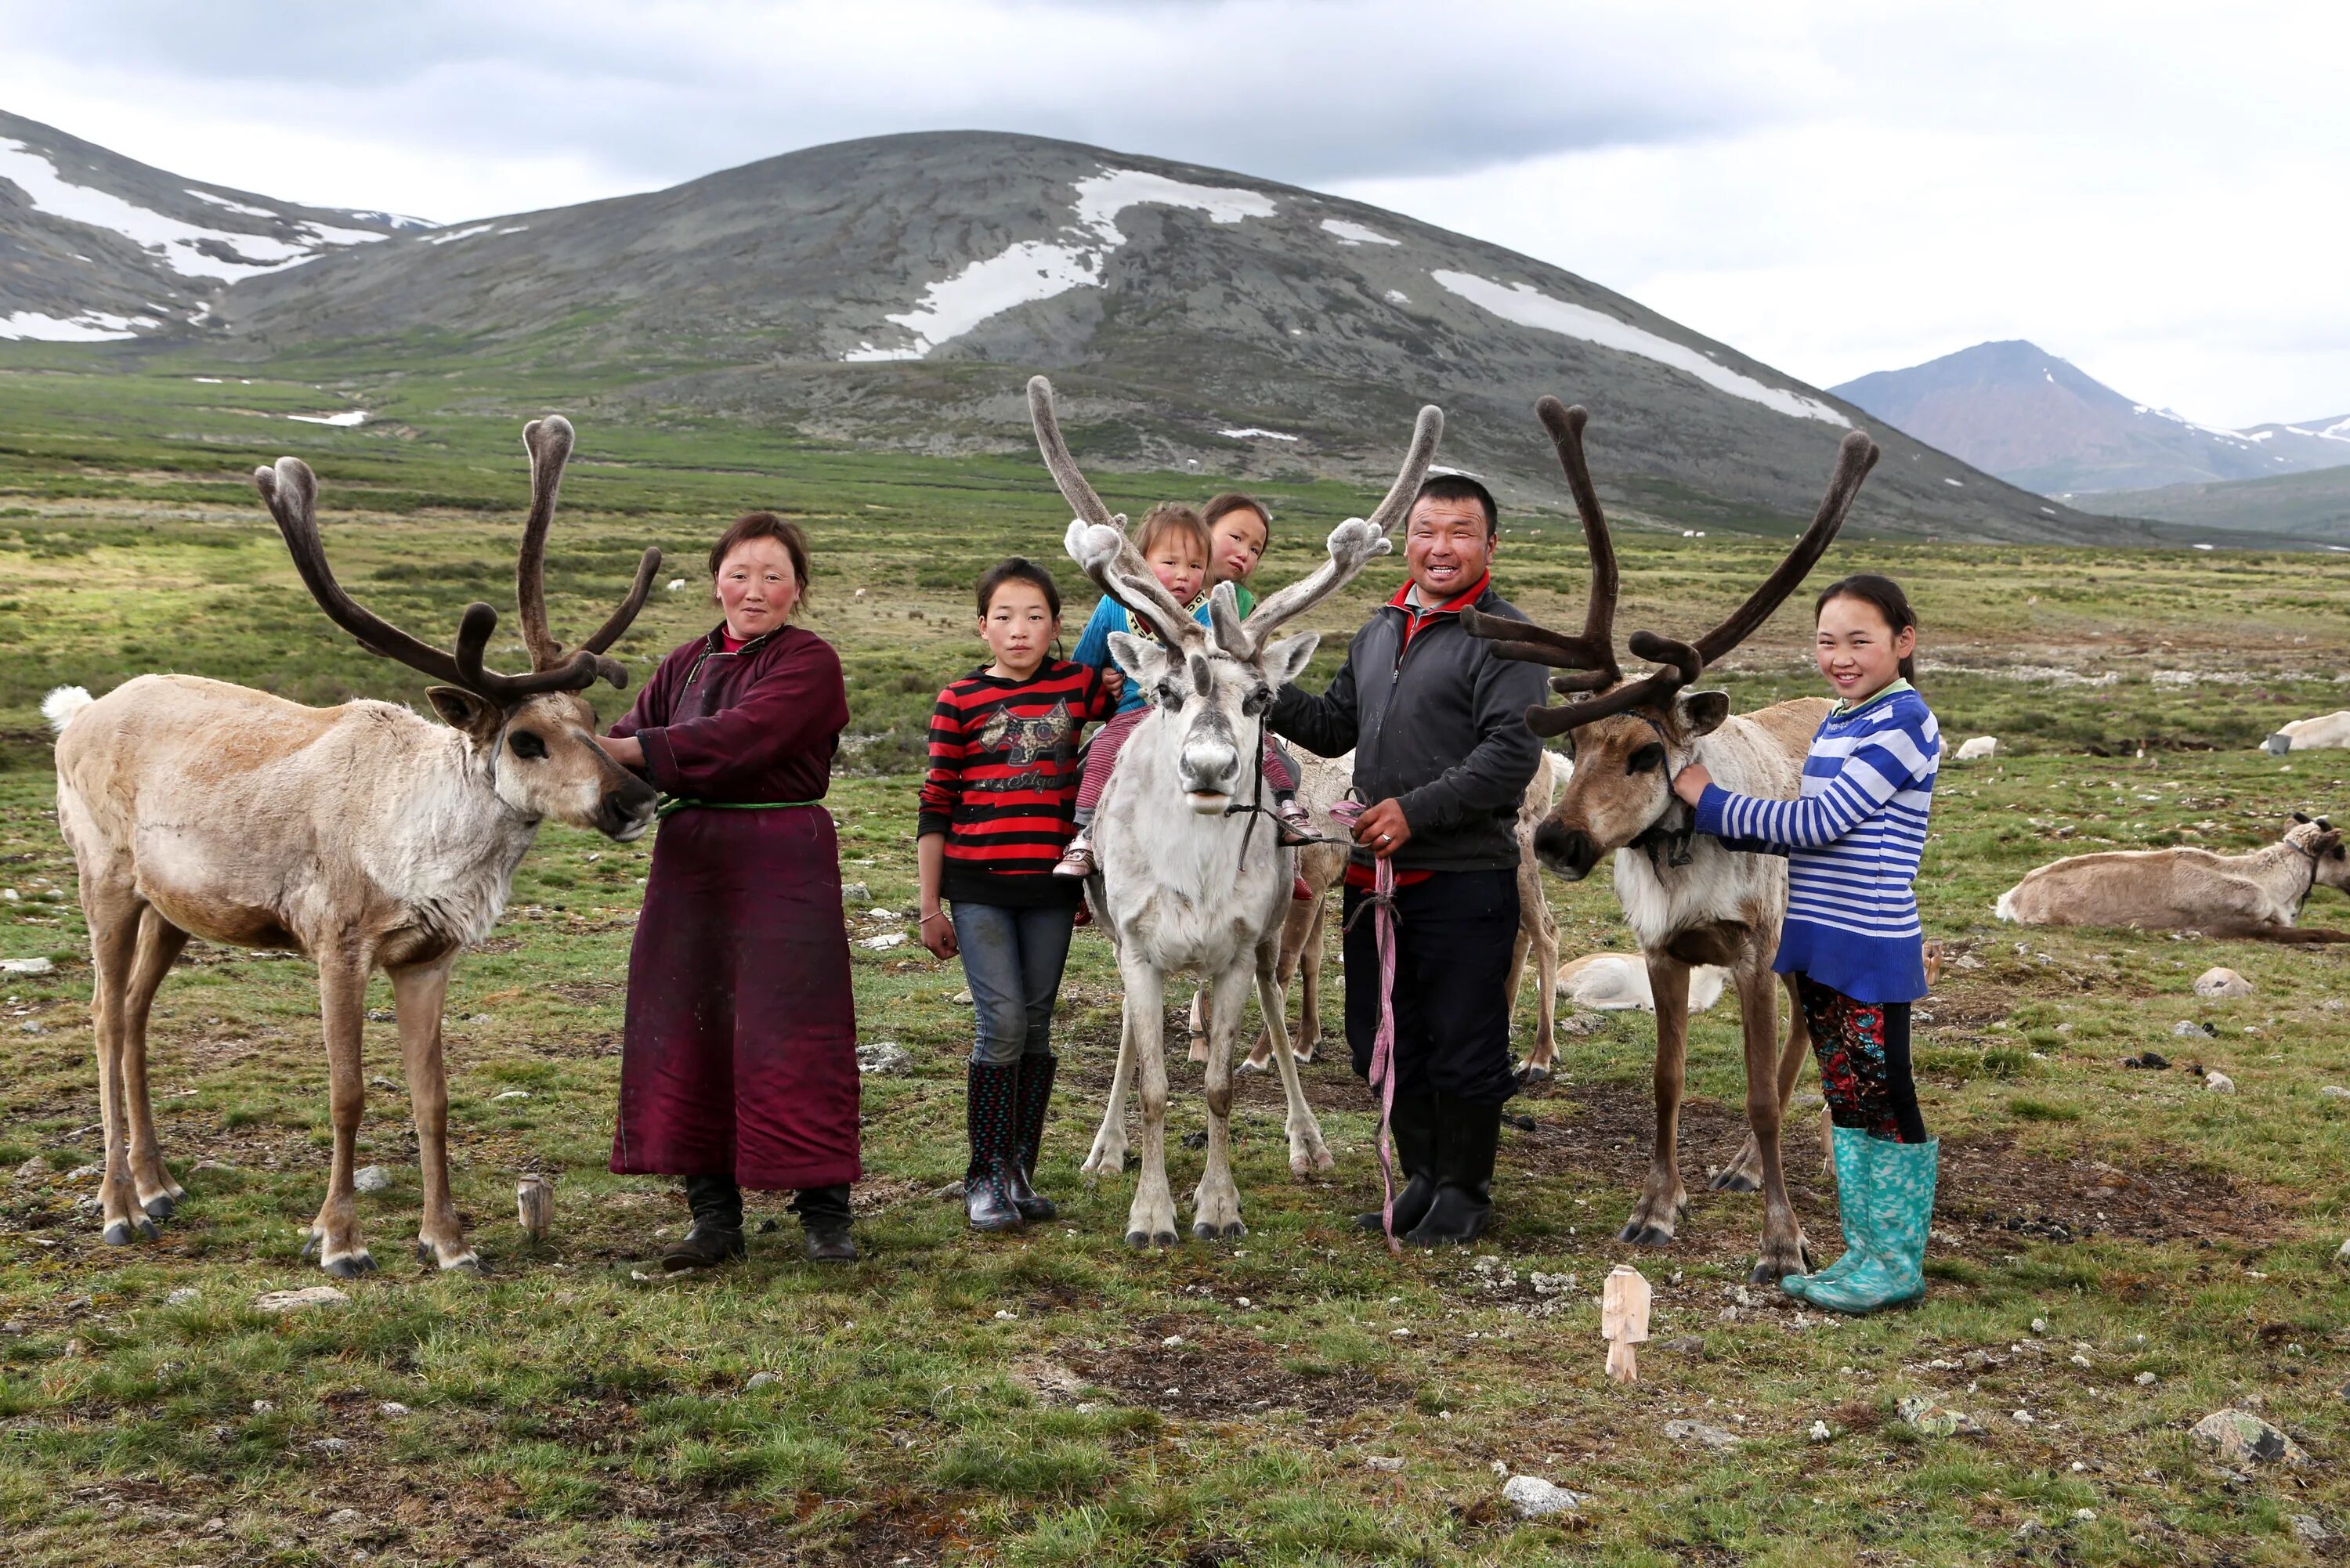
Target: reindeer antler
291, 493
1097, 540
1352, 545
1590, 659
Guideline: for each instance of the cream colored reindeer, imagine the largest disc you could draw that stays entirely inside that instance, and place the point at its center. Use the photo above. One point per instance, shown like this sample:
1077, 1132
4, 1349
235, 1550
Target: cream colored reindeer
2257, 894
363, 836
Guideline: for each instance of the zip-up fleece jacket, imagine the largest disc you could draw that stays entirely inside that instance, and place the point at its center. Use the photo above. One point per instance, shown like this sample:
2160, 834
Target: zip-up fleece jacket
1437, 722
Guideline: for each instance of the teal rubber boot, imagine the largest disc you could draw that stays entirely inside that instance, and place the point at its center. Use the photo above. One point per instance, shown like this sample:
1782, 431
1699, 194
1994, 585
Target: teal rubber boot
1851, 1185
1898, 1200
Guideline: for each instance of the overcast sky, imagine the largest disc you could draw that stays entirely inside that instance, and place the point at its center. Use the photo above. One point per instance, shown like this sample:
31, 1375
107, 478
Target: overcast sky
2152, 191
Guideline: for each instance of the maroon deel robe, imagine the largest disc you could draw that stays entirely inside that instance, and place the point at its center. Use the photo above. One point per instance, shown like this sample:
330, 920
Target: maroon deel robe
741, 1049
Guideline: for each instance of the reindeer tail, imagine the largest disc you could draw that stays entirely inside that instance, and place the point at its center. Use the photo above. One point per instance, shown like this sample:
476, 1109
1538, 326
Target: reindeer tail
60, 706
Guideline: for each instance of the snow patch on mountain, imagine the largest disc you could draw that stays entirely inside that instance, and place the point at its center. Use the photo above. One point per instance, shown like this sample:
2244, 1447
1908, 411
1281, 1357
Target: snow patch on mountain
1033, 270
1529, 306
1348, 234
90, 326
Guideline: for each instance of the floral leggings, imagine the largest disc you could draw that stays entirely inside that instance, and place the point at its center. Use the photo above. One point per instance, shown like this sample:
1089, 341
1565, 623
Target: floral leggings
1864, 1052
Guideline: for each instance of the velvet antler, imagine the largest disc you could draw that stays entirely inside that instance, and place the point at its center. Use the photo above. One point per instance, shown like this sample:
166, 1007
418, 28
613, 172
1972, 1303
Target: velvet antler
1097, 540
1589, 657
1353, 544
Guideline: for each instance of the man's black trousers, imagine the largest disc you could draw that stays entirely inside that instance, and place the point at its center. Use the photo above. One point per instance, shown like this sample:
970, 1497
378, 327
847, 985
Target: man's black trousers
1453, 936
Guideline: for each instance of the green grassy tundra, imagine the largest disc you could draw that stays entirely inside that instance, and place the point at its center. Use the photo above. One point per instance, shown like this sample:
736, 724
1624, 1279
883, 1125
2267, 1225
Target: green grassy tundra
2117, 1252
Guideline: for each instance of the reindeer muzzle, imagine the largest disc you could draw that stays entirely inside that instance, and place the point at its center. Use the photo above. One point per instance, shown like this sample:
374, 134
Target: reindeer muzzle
1569, 852
626, 812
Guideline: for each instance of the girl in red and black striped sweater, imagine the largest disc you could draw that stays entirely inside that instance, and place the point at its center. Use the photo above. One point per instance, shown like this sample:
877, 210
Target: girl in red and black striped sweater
998, 807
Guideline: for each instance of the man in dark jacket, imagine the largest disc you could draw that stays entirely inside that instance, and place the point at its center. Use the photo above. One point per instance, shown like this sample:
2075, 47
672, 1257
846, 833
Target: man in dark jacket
1437, 723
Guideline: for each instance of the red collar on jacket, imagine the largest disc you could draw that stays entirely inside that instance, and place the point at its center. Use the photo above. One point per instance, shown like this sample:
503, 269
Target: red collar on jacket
1416, 617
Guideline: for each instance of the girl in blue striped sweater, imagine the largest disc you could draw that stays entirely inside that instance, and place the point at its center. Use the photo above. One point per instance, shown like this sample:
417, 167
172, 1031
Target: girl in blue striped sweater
1852, 938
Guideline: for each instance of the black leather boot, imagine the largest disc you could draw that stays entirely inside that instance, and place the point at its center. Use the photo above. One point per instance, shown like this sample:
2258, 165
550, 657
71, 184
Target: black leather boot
824, 1224
987, 1183
1466, 1138
1412, 1123
1034, 1097
716, 1236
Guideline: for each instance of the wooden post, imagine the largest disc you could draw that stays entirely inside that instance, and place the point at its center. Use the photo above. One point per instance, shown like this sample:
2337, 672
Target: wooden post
1624, 1320
535, 1206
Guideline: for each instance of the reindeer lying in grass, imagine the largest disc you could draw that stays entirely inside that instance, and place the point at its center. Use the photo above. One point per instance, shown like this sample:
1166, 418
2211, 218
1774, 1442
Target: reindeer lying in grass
362, 837
1689, 900
2256, 896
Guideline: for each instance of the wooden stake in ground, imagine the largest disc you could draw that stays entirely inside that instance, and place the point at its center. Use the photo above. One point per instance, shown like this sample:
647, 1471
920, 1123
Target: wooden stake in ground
535, 1206
1624, 1320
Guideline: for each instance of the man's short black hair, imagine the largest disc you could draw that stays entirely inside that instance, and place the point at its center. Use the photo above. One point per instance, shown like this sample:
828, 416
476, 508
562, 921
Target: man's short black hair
1456, 486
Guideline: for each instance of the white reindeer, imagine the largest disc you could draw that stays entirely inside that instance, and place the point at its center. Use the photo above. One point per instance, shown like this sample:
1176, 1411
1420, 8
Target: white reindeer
1184, 885
363, 836
2256, 896
1689, 900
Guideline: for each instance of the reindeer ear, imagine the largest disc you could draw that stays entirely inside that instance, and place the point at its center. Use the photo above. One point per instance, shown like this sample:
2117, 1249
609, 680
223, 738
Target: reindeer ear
1703, 712
463, 710
1145, 662
1285, 660
2301, 816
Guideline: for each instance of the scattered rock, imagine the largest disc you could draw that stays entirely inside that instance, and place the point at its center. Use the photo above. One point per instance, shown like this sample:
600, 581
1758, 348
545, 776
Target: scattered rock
1699, 1432
391, 1410
882, 943
2238, 1437
2219, 1083
330, 1445
855, 893
2215, 984
2152, 1061
2085, 1516
33, 1169
1553, 1284
1382, 1462
1535, 1498
341, 1517
2342, 1255
182, 1297
2146, 1380
1819, 1432
883, 1056
510, 1094
2309, 1530
2031, 1530
296, 1300
953, 1190
960, 998
371, 1179
264, 1407
2186, 1027
26, 966
1688, 1344
2335, 1092
760, 1380
1935, 1420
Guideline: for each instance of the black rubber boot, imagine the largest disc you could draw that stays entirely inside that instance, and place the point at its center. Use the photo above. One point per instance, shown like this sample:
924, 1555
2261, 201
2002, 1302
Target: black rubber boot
1413, 1125
1034, 1099
987, 1183
716, 1236
824, 1221
1466, 1138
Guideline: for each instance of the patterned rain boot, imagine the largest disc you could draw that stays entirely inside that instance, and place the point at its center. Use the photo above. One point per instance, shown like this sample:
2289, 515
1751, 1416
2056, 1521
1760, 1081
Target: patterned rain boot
1413, 1126
1899, 1209
1844, 1149
1029, 1105
1467, 1138
987, 1184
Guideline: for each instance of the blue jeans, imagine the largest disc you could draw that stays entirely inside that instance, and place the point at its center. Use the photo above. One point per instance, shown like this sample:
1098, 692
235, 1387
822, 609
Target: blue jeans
1012, 959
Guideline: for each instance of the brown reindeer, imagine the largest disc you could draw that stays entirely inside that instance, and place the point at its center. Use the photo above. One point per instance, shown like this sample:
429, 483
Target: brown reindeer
2256, 896
363, 836
1688, 899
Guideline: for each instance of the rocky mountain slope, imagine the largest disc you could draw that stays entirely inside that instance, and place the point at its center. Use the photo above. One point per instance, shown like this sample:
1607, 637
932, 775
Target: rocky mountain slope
95, 246
895, 293
2017, 411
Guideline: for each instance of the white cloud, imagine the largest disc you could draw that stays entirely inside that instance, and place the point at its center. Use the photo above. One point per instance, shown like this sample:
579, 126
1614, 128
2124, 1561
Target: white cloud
2147, 189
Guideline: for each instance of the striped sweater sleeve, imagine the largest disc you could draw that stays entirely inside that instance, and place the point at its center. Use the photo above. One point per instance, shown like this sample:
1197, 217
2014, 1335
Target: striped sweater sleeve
942, 786
1869, 774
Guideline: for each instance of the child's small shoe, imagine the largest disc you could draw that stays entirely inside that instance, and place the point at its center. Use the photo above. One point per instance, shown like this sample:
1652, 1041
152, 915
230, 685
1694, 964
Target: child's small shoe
1077, 859
1296, 823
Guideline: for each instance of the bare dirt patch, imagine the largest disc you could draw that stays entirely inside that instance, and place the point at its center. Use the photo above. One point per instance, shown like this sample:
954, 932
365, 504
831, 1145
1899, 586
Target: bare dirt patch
1221, 1374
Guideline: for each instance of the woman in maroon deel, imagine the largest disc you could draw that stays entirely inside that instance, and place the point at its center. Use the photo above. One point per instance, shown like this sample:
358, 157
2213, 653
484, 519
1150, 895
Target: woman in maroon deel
739, 1063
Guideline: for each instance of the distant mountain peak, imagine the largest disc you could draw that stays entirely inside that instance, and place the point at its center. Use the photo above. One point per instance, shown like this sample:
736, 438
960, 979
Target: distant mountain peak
2038, 420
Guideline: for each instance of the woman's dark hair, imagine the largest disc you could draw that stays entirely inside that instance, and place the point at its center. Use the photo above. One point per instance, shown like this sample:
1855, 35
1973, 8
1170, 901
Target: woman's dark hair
1232, 500
1886, 596
1018, 569
765, 526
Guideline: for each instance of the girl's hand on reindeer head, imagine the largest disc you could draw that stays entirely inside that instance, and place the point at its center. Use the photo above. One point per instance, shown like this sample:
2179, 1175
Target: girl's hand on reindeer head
1690, 782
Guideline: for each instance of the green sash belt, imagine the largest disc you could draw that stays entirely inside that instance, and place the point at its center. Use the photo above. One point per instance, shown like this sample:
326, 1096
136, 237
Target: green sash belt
677, 803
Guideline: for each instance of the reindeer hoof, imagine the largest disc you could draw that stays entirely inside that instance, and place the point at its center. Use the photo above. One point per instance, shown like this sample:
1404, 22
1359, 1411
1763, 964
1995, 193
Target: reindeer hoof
1733, 1179
1251, 1064
1208, 1233
162, 1206
1529, 1075
472, 1264
118, 1234
1641, 1233
351, 1265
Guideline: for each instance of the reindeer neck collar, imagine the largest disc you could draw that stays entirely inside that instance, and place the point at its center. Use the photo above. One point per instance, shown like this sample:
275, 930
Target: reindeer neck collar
1668, 838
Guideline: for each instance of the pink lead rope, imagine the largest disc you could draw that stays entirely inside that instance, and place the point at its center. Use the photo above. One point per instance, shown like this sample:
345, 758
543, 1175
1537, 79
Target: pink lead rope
1345, 813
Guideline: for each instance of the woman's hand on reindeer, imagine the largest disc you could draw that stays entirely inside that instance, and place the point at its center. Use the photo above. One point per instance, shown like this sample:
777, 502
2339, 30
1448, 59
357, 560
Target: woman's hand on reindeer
1690, 782
938, 935
626, 751
1382, 829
